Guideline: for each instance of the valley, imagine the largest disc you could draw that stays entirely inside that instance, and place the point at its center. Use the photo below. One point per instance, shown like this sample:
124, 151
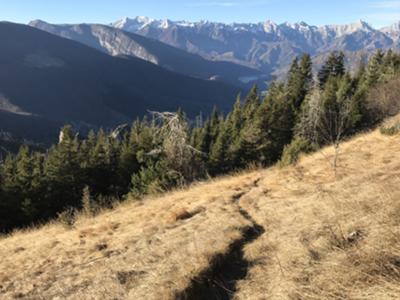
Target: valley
55, 81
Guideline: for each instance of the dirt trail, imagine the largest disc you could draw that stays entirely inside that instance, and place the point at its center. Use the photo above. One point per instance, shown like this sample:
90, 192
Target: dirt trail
225, 270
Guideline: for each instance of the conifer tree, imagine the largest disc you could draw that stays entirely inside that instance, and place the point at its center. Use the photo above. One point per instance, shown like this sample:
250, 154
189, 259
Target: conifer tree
206, 139
298, 85
374, 68
10, 214
195, 136
215, 122
275, 123
334, 66
38, 187
248, 148
236, 117
128, 163
24, 180
219, 160
8, 170
62, 173
299, 81
306, 66
235, 123
24, 169
100, 172
251, 104
113, 155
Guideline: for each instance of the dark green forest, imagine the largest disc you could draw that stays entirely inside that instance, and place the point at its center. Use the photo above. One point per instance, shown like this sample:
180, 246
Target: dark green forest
166, 150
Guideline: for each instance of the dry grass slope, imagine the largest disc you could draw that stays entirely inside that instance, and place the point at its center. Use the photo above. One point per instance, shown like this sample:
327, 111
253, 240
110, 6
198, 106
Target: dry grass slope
293, 233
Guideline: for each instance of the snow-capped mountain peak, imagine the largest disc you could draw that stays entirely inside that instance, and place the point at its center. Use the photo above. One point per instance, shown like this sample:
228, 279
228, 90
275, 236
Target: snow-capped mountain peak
340, 30
133, 24
327, 31
393, 31
165, 24
270, 26
143, 19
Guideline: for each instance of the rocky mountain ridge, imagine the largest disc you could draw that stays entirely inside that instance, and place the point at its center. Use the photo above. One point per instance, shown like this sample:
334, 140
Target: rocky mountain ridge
268, 46
118, 42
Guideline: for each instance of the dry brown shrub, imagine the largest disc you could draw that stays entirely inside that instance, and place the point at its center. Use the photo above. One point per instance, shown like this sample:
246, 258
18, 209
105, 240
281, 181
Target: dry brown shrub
384, 100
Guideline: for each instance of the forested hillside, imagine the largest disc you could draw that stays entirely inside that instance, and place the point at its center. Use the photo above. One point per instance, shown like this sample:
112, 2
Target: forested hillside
298, 232
162, 151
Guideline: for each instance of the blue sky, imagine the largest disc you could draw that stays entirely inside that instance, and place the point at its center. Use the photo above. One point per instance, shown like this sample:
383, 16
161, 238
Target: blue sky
317, 12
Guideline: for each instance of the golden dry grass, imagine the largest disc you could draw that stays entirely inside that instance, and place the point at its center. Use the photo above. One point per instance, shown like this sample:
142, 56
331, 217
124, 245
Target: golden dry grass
142, 250
327, 238
324, 238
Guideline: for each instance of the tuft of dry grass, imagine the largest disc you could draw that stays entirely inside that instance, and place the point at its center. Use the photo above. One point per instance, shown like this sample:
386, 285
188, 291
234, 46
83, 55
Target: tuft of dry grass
324, 238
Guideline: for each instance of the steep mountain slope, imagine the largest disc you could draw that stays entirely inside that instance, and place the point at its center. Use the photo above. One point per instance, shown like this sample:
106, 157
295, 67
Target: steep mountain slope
51, 78
118, 42
267, 46
292, 233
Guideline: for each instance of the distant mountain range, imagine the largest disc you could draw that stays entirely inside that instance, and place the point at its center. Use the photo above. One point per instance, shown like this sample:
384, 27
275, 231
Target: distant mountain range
118, 42
240, 54
95, 75
267, 46
46, 81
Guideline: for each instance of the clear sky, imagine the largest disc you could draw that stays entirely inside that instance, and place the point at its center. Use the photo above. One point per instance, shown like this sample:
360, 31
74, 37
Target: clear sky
316, 12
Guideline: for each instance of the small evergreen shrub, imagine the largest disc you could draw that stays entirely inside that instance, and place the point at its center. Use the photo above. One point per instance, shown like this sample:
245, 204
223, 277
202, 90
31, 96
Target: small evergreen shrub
292, 152
154, 179
390, 130
67, 218
147, 181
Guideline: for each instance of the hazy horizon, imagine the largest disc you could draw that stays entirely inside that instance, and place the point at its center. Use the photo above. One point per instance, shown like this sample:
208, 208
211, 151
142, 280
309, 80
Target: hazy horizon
378, 13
